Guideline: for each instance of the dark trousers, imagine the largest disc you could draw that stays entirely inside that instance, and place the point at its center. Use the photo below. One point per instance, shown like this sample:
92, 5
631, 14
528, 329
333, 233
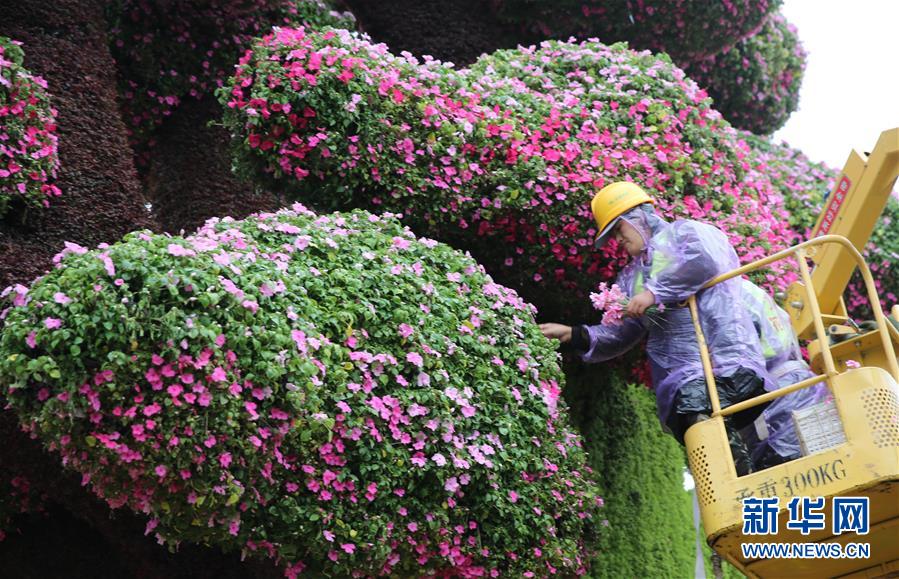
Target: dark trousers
692, 405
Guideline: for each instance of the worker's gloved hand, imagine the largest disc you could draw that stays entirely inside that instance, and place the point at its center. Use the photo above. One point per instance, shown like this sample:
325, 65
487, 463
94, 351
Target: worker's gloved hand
640, 303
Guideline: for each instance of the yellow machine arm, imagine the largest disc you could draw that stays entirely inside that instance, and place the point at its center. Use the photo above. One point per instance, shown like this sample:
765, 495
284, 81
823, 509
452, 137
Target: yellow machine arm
853, 208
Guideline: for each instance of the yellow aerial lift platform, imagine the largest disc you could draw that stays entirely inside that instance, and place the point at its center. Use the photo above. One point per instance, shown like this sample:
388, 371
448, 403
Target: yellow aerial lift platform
866, 398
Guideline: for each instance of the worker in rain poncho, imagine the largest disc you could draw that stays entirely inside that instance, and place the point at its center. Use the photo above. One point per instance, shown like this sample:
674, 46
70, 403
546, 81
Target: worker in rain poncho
671, 262
774, 439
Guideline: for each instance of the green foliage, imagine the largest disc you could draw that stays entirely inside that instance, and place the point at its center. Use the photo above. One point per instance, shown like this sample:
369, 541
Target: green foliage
755, 84
329, 390
650, 532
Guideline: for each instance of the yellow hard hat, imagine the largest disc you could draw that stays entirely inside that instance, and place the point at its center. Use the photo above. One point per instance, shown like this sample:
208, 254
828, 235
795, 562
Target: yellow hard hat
611, 203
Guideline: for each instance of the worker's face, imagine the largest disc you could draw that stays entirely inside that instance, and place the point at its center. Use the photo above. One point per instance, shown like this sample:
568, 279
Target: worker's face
628, 237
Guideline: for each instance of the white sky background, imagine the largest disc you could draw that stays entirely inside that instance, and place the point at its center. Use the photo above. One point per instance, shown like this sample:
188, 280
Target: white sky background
850, 90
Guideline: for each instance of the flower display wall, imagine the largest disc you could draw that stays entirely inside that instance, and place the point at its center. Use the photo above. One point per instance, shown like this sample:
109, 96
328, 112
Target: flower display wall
168, 50
502, 158
685, 29
802, 182
327, 390
755, 84
28, 141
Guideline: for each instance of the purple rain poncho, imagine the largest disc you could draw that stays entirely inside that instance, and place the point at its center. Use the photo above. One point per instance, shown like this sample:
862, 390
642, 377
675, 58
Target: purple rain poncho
785, 364
678, 259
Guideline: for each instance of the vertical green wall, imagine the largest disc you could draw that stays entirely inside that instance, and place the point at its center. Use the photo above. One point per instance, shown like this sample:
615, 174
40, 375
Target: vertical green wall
650, 532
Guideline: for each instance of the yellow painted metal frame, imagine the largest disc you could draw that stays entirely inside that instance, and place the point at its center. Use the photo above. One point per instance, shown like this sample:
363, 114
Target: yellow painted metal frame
870, 467
857, 200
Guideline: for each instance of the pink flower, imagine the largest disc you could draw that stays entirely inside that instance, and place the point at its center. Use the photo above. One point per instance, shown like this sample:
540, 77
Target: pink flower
31, 340
401, 242
513, 496
180, 250
451, 485
348, 547
61, 298
415, 359
278, 414
406, 330
225, 459
161, 471
852, 364
52, 323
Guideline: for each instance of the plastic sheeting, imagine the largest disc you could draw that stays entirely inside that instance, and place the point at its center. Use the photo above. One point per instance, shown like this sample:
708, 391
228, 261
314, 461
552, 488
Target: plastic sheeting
678, 259
785, 364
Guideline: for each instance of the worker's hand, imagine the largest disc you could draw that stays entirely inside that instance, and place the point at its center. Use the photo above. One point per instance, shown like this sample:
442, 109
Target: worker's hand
559, 332
640, 303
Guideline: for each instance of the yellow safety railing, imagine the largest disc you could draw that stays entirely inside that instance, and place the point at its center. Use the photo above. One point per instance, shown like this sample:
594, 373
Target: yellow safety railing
799, 252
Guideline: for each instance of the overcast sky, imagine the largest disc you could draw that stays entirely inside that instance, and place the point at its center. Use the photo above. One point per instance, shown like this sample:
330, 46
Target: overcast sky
850, 91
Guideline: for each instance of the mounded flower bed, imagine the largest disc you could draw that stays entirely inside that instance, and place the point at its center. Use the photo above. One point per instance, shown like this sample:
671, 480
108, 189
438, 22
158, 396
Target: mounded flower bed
755, 84
168, 51
685, 29
327, 390
802, 182
502, 158
28, 141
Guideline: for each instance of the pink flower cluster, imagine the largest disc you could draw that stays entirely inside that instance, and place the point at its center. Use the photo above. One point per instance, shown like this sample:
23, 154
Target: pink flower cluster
28, 142
502, 158
612, 301
333, 424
